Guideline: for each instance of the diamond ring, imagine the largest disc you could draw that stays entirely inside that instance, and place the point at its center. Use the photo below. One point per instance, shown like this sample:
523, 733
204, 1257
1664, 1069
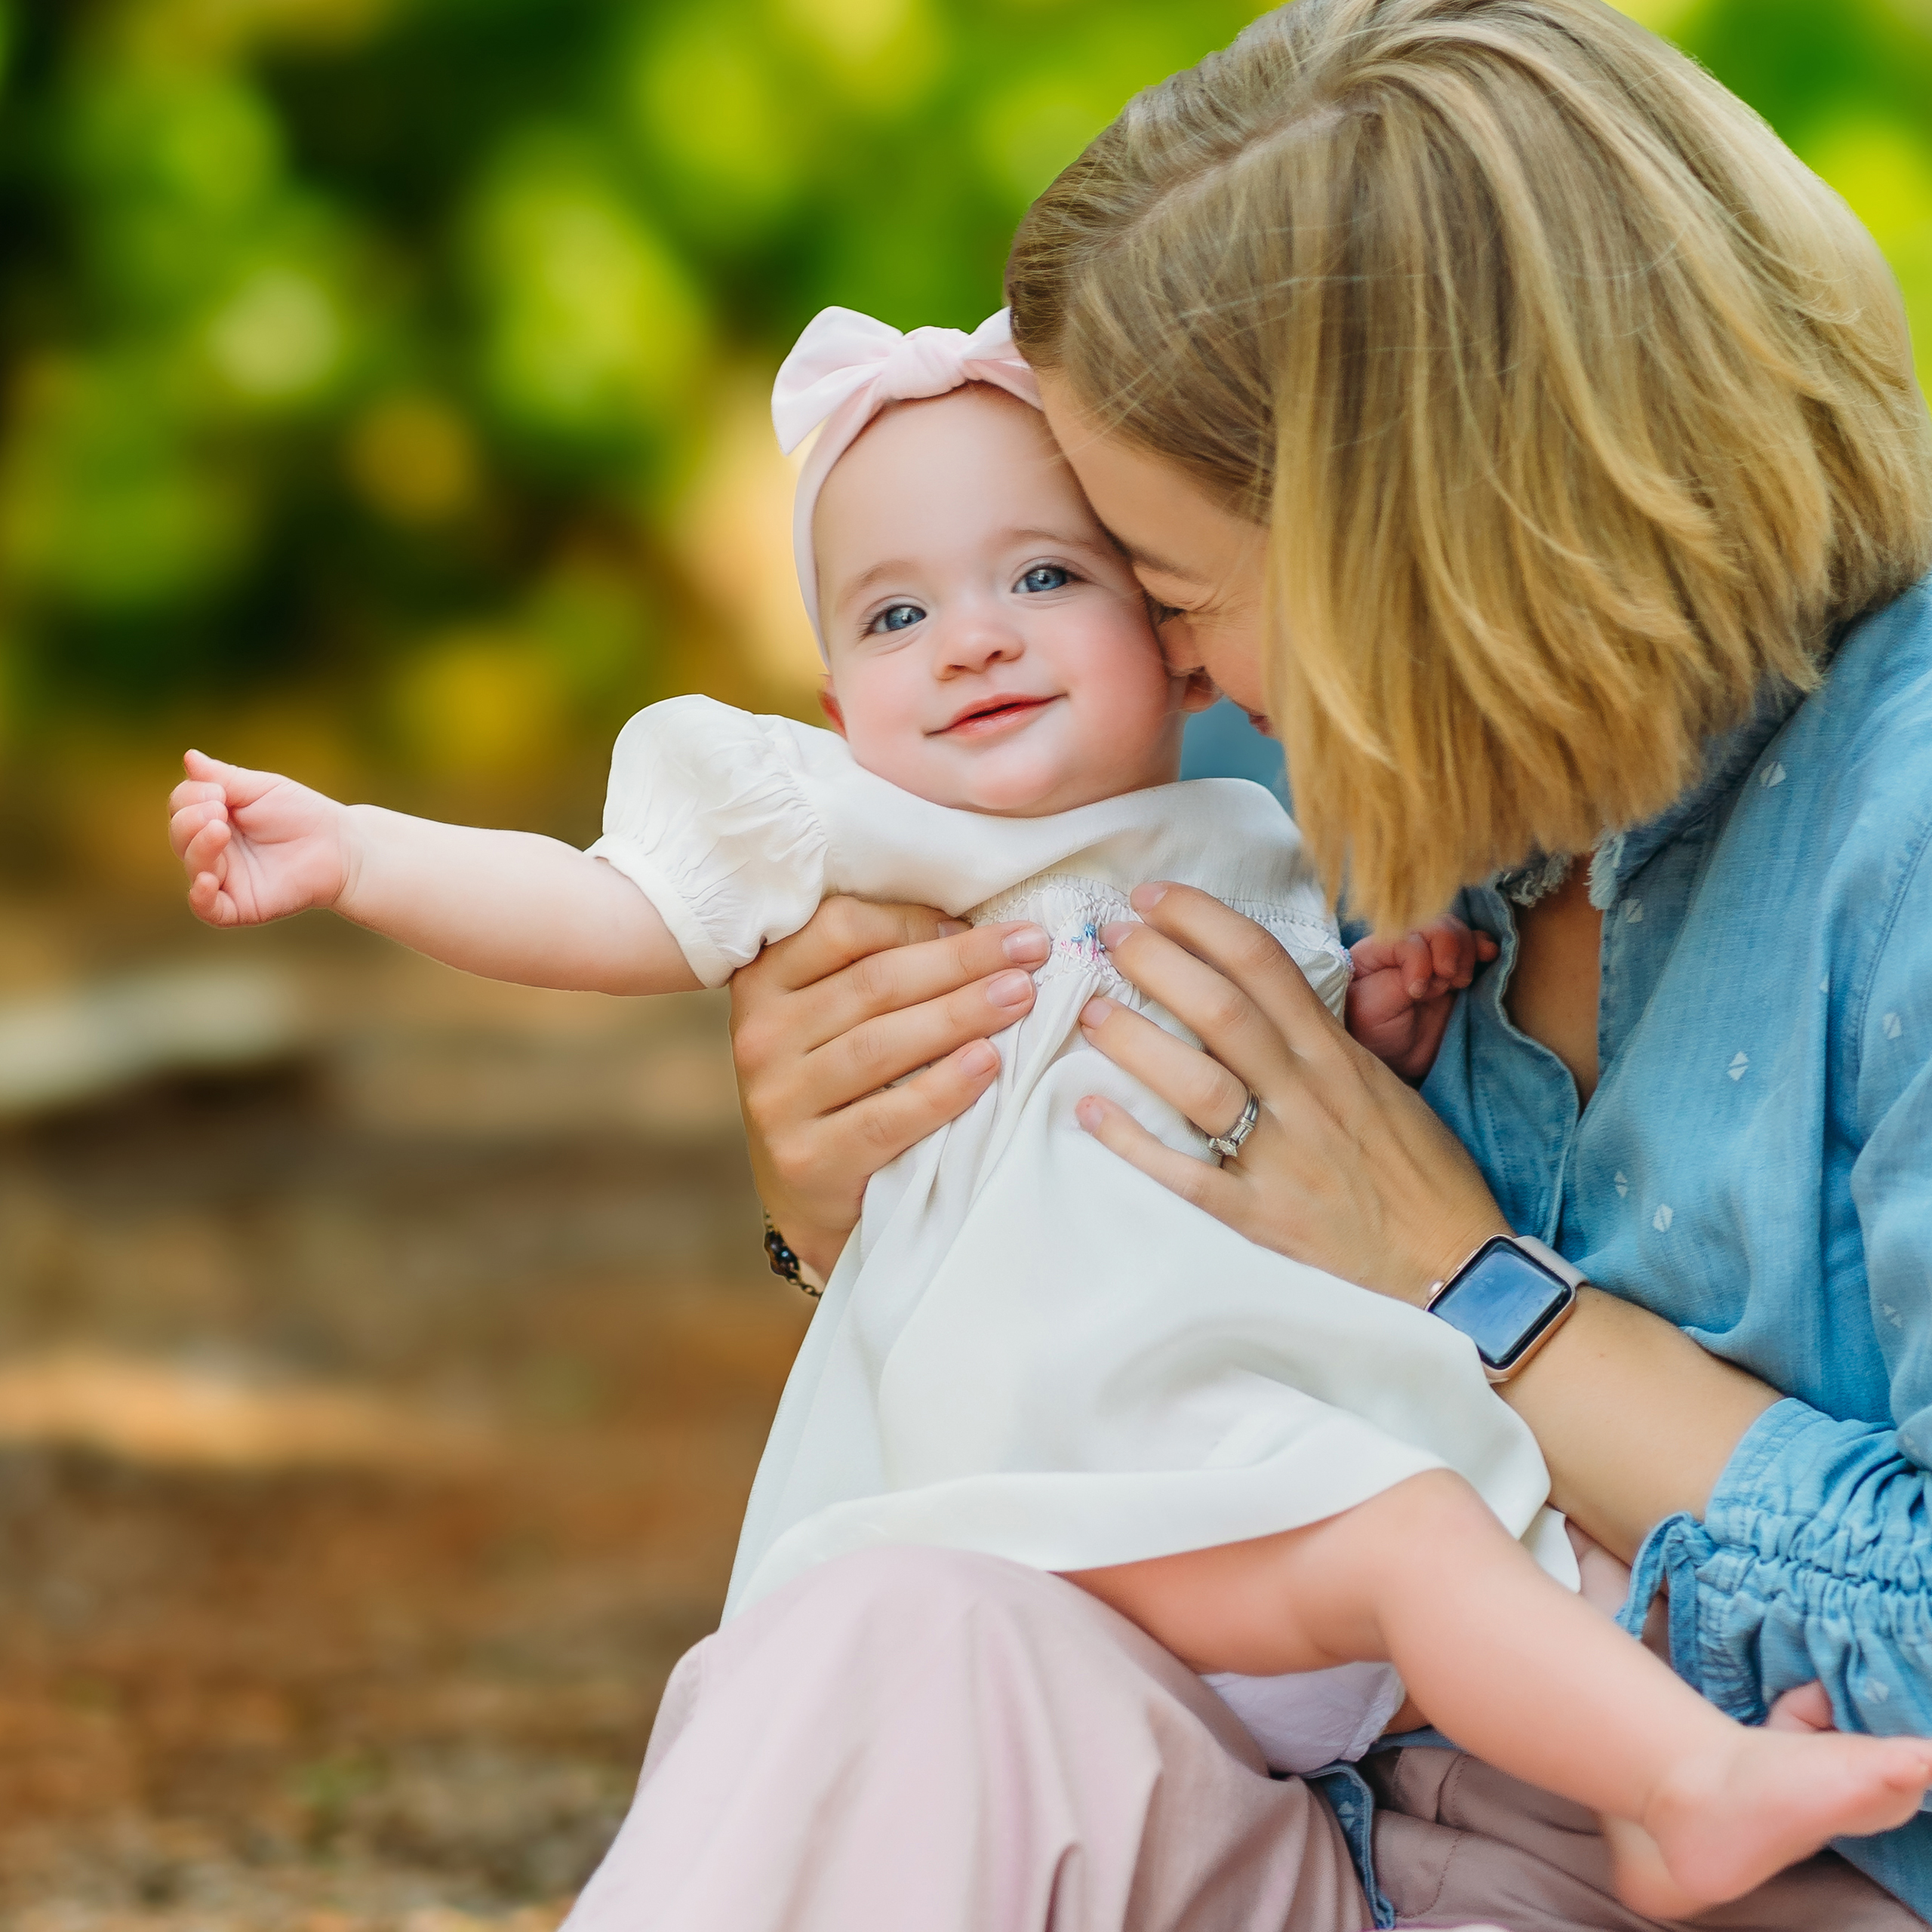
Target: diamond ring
1228, 1145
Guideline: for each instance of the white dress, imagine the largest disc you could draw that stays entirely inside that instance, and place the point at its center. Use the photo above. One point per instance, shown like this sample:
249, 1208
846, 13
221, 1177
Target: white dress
1029, 1349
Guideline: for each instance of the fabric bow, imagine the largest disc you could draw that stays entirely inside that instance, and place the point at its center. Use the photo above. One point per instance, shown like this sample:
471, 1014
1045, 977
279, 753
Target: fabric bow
846, 368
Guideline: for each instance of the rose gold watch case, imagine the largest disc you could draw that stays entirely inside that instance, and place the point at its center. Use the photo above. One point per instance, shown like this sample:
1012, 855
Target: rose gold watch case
1572, 1278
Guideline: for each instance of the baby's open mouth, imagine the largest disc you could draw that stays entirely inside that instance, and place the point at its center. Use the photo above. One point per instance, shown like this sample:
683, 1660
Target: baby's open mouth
994, 715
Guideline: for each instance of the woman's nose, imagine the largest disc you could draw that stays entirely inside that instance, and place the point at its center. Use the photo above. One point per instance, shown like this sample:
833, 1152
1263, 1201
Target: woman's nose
1183, 656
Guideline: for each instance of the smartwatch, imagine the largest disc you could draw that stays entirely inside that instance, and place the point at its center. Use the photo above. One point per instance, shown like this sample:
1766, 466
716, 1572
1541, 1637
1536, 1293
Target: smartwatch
1509, 1297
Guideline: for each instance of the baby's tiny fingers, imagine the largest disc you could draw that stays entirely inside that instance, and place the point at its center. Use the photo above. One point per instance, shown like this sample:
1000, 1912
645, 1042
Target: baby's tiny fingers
190, 821
193, 791
1418, 967
1450, 946
209, 903
204, 850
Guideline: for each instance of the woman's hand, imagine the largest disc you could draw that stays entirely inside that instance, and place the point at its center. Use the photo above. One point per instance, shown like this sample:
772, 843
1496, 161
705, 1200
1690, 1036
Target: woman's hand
823, 1023
1347, 1168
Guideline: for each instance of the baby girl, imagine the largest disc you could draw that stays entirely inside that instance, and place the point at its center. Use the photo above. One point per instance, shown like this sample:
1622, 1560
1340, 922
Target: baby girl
1307, 1491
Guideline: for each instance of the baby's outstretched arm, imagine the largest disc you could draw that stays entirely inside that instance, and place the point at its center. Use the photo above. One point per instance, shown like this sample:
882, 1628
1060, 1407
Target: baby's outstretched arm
1400, 997
508, 905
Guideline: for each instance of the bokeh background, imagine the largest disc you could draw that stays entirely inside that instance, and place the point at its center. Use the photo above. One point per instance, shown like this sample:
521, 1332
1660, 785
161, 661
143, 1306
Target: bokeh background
383, 1355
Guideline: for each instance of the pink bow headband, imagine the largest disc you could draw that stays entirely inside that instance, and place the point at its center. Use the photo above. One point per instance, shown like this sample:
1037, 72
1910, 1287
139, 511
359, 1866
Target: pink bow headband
846, 368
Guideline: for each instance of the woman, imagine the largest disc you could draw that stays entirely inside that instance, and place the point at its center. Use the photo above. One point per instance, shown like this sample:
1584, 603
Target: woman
1496, 405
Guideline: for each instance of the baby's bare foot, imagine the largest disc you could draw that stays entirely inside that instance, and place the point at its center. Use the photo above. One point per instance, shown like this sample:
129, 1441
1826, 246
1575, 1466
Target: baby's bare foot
1727, 1821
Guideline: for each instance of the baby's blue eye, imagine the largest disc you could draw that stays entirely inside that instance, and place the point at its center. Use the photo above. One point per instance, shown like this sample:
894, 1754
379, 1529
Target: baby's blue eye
1046, 577
896, 617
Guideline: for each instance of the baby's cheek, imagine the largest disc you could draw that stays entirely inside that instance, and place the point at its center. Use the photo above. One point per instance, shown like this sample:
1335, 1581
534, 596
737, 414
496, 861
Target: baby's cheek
894, 747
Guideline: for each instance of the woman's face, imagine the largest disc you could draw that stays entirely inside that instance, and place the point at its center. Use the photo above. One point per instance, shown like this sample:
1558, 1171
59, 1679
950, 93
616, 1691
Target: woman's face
1203, 566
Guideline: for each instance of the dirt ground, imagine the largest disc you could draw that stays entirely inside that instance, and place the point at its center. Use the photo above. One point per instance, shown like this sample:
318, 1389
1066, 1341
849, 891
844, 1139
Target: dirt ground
375, 1418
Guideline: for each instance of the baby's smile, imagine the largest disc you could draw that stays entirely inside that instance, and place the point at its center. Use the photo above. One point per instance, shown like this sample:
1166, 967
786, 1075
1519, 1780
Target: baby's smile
1000, 714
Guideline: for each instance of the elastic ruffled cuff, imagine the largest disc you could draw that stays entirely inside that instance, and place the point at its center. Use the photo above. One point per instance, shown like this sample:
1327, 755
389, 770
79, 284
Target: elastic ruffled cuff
701, 952
1705, 1565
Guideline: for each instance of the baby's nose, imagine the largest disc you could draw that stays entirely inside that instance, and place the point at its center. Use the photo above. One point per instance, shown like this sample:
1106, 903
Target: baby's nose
973, 644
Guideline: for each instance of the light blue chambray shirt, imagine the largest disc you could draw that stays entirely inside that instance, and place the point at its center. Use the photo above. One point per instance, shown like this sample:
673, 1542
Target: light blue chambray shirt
1756, 1166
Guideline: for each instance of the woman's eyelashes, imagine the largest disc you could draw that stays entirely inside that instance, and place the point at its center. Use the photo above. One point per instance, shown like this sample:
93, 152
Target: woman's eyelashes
1160, 614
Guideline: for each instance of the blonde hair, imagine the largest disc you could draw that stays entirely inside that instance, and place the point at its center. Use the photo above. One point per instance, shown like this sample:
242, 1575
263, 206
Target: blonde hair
1578, 409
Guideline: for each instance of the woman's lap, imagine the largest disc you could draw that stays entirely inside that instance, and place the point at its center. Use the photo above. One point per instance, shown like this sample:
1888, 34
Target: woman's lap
929, 1741
918, 1740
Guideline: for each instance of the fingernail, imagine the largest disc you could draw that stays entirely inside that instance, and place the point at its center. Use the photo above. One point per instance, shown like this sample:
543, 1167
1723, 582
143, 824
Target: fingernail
980, 1057
1027, 946
1096, 1012
1090, 1113
1145, 898
1010, 989
1417, 988
1111, 936
949, 928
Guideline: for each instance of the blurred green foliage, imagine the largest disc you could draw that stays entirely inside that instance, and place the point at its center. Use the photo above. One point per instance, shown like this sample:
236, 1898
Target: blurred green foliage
358, 353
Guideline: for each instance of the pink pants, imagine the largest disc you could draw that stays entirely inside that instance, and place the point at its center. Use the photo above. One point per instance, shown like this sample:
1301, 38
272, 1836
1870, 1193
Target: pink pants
917, 1740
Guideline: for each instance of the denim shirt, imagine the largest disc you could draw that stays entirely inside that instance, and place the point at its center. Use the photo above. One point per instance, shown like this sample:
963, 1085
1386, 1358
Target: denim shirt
1755, 1166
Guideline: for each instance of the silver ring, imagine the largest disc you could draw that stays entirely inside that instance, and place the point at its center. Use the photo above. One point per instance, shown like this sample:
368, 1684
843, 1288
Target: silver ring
1228, 1145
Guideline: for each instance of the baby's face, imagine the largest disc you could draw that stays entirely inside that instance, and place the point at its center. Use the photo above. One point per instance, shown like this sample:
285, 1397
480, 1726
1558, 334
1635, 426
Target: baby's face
989, 647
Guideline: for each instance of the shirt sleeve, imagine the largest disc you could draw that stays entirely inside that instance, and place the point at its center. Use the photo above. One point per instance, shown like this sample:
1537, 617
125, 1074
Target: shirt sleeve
710, 816
1814, 1557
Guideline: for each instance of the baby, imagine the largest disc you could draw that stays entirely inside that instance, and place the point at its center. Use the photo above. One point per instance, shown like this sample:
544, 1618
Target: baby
1307, 1491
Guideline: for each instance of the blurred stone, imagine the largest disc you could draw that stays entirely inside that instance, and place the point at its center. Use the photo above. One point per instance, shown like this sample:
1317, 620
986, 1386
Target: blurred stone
61, 1049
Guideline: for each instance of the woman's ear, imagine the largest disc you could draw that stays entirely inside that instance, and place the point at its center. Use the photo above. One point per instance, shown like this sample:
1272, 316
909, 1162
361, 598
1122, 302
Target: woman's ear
827, 703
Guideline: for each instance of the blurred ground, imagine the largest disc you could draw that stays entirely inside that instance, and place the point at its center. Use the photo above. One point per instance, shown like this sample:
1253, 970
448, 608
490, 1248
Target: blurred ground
376, 1412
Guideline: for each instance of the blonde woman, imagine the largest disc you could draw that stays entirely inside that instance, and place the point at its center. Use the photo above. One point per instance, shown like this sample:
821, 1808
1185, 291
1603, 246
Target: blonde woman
1494, 404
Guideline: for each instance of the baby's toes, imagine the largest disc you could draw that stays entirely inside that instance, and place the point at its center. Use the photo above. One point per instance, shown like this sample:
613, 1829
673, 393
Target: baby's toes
1911, 1764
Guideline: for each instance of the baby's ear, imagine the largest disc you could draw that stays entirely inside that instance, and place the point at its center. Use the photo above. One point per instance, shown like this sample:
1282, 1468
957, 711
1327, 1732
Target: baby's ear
1201, 692
827, 703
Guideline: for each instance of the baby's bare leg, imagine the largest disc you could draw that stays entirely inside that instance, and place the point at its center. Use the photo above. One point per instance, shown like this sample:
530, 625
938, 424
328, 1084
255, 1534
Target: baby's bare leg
1513, 1666
1521, 1672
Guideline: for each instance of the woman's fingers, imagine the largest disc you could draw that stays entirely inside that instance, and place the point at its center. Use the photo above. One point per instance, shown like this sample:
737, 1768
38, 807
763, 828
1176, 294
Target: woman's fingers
1238, 950
873, 1053
825, 1023
1346, 1168
885, 1124
1236, 1030
861, 984
1199, 1182
845, 932
1203, 1089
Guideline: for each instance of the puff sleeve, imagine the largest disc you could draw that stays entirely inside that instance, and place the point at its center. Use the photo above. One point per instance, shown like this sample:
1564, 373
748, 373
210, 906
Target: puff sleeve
709, 814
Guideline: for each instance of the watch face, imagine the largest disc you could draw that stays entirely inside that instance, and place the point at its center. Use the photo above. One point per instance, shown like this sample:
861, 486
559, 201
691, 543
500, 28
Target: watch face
1502, 1301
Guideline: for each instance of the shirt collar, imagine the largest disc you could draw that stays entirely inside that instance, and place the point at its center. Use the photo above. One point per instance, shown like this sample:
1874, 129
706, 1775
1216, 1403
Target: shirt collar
1727, 757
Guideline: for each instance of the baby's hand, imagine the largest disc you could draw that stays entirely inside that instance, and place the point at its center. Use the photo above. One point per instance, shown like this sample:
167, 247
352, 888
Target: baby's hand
1399, 999
255, 847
